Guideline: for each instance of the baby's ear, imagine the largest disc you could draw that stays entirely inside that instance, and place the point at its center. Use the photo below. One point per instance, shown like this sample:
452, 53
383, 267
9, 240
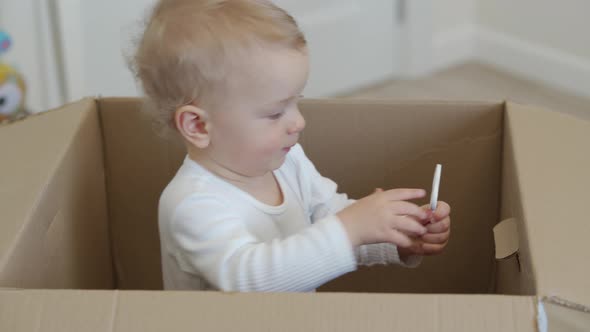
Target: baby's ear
193, 124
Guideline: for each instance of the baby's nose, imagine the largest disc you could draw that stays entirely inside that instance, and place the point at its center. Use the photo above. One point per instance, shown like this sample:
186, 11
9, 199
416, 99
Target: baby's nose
297, 125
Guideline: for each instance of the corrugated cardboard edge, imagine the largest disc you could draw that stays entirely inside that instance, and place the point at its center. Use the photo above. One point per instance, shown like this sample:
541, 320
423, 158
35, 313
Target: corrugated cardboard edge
74, 310
410, 102
112, 248
566, 304
557, 314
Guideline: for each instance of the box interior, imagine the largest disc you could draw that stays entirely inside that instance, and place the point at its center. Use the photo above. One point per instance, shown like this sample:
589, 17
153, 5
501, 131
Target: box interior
97, 216
79, 188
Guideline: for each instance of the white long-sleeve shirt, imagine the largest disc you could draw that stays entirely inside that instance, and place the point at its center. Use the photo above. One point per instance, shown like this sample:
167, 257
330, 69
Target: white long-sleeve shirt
216, 236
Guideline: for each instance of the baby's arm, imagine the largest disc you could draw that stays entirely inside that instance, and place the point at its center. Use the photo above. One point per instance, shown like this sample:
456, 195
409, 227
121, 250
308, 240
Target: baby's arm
329, 202
212, 240
326, 201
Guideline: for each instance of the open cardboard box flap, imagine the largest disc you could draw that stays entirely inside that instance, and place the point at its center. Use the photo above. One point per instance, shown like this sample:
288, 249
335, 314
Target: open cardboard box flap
68, 223
551, 164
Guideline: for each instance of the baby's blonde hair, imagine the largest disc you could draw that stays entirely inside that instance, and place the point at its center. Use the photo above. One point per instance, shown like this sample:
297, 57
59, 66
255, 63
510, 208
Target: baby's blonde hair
186, 50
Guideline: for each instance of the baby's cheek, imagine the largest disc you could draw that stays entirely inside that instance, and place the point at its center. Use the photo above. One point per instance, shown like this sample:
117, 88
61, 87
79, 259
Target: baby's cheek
272, 142
262, 149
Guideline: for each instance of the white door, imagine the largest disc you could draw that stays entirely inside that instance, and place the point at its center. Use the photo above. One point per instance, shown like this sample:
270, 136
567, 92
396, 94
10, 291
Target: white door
351, 43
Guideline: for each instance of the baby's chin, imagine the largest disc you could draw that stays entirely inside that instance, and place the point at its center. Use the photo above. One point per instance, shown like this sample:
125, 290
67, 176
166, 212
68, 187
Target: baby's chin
278, 163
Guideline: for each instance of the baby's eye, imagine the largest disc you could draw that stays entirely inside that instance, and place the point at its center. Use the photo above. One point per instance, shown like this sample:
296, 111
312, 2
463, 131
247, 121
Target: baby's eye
276, 116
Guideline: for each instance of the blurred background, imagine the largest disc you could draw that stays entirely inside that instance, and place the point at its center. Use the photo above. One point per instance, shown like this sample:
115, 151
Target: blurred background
530, 51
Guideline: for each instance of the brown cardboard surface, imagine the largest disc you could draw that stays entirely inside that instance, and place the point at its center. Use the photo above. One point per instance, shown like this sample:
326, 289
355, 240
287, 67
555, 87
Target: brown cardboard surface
551, 161
138, 164
57, 311
212, 311
54, 226
506, 238
22, 172
141, 311
364, 145
69, 203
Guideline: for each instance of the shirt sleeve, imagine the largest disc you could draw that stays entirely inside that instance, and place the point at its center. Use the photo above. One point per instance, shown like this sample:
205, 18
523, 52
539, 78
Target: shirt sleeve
212, 241
326, 201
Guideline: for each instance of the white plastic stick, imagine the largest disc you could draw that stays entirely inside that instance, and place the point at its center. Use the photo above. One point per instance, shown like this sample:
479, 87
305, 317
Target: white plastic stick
435, 184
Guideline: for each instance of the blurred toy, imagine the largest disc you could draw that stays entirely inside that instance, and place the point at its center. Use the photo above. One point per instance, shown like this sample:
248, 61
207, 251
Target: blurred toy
12, 87
12, 94
5, 42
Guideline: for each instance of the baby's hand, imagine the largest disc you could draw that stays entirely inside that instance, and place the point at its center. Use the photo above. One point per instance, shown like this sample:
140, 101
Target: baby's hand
385, 216
439, 231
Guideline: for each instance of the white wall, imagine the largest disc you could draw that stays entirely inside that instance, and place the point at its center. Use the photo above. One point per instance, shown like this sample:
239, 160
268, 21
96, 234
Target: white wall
453, 14
563, 25
543, 40
453, 35
95, 40
344, 57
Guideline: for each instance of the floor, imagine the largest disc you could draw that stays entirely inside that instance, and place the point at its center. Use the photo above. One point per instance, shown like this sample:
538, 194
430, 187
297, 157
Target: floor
475, 81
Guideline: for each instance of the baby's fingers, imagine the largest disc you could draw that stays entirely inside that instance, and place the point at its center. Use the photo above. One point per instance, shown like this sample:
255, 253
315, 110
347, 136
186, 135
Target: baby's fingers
429, 249
437, 238
402, 208
440, 226
400, 239
408, 225
442, 210
405, 194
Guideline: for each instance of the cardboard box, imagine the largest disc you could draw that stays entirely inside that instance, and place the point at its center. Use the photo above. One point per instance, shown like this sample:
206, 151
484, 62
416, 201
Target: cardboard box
79, 188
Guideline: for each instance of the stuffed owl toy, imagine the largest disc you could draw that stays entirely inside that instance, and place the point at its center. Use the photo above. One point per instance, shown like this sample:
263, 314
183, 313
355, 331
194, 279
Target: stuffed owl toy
12, 87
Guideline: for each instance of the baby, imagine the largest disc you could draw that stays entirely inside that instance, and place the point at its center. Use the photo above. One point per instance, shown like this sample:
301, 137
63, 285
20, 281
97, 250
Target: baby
247, 210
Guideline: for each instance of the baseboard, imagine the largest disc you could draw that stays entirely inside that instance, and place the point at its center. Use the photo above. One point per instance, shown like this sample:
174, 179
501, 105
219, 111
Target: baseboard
550, 66
532, 61
453, 46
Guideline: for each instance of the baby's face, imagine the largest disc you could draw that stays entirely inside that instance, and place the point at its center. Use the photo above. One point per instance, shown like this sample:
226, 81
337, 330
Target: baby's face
260, 119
